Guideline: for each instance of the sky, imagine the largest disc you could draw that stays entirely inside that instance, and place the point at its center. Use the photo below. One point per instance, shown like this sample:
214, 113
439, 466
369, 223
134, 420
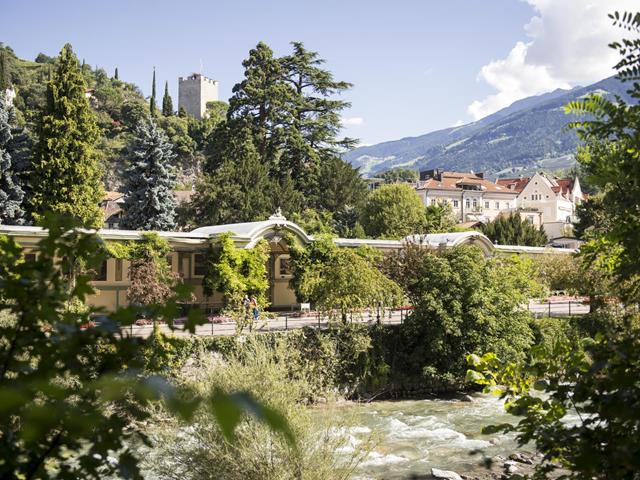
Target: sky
416, 65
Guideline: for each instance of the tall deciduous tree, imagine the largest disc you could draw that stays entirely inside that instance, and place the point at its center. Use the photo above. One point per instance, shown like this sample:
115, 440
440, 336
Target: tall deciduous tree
11, 195
393, 211
167, 103
66, 176
149, 181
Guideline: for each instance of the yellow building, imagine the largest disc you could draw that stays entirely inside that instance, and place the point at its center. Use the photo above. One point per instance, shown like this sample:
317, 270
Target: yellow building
188, 256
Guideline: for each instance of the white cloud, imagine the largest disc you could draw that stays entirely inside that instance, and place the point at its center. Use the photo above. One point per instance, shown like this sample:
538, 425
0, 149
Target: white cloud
567, 47
458, 123
352, 121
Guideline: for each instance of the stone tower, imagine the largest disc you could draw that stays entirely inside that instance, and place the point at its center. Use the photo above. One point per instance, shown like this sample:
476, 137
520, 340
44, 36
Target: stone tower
194, 92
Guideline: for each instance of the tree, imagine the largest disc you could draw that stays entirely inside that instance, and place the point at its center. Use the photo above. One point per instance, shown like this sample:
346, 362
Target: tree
11, 195
149, 181
66, 177
239, 189
462, 303
73, 394
167, 103
152, 281
399, 175
440, 219
597, 380
5, 72
152, 100
260, 102
115, 74
393, 211
237, 272
512, 229
339, 280
312, 137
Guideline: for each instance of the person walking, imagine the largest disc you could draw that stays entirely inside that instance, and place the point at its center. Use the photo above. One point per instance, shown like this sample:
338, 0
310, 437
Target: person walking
254, 308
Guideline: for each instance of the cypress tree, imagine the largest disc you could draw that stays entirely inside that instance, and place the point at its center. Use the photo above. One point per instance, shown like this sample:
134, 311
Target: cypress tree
149, 181
512, 229
5, 80
115, 75
11, 195
152, 100
167, 103
66, 176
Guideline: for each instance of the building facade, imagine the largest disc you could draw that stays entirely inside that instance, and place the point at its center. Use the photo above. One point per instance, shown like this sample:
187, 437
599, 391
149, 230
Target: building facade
472, 197
194, 92
189, 254
554, 199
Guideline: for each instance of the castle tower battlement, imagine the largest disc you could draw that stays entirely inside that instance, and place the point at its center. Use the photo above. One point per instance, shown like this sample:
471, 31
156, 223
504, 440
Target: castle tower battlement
194, 92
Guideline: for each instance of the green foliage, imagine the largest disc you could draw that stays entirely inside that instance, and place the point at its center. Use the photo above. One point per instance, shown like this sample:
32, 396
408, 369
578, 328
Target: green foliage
314, 222
440, 219
399, 175
11, 193
282, 130
239, 190
149, 181
586, 418
236, 273
264, 370
72, 393
340, 280
167, 103
512, 229
577, 403
463, 303
152, 99
66, 177
393, 211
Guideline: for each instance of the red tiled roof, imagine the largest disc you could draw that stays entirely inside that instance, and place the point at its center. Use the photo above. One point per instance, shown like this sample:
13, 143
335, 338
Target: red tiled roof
515, 184
454, 180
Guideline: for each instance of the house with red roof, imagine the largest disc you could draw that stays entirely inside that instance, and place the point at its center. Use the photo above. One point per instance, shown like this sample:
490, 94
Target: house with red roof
555, 199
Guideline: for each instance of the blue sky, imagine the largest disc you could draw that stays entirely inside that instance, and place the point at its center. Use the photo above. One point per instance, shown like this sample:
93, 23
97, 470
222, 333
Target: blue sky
416, 65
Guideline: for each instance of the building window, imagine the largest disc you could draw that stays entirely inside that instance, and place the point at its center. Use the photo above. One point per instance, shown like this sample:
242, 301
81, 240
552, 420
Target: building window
29, 257
486, 204
199, 264
455, 204
475, 202
467, 203
101, 274
285, 266
497, 205
118, 269
433, 201
530, 219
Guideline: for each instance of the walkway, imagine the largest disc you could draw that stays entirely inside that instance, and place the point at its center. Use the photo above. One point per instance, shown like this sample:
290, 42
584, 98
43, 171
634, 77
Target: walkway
283, 322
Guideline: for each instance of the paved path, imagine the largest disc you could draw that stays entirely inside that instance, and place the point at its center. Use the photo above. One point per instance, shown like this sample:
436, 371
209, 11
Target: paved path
280, 323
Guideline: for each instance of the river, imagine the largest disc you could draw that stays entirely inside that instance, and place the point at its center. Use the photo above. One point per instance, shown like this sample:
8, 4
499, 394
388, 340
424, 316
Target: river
412, 436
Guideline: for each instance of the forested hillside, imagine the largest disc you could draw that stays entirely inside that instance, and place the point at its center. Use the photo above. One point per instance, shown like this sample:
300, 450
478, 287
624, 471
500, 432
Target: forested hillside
118, 105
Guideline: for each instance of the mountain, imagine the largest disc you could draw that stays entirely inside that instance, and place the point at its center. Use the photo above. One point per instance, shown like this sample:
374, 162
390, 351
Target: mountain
529, 134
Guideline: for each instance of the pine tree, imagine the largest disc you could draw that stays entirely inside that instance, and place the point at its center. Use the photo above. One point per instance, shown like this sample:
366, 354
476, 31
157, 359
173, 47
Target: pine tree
66, 177
239, 190
167, 103
149, 181
152, 100
115, 75
261, 101
11, 195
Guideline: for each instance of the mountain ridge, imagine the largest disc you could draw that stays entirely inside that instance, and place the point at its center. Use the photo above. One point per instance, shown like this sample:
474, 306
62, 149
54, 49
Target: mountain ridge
527, 135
